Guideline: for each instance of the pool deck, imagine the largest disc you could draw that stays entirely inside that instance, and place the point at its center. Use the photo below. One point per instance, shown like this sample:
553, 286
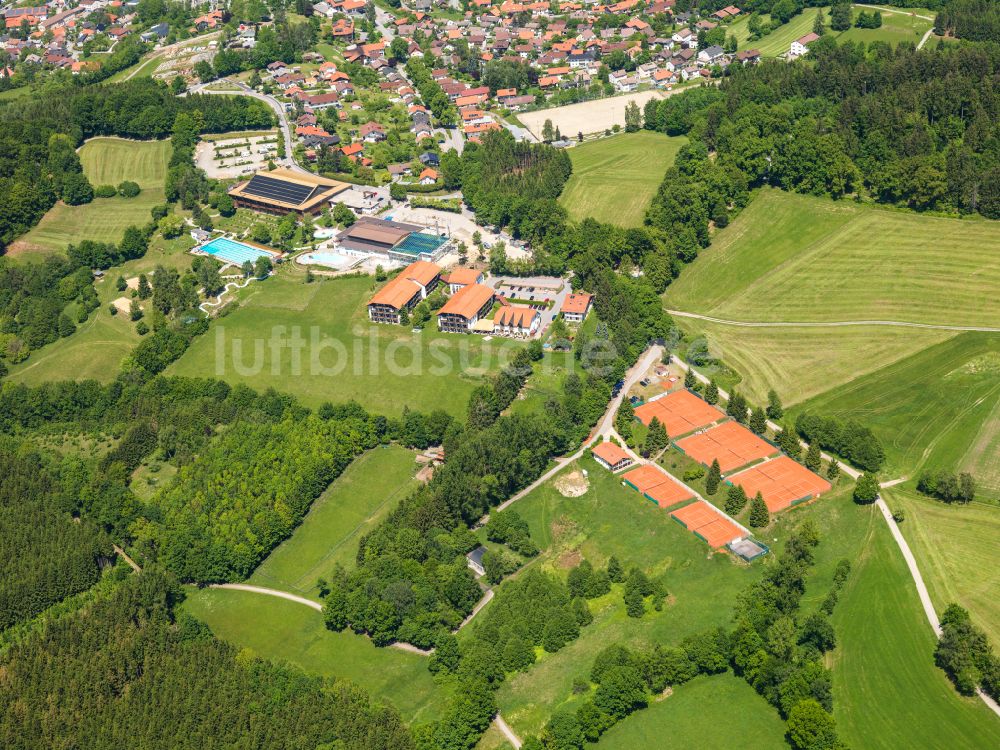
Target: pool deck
197, 249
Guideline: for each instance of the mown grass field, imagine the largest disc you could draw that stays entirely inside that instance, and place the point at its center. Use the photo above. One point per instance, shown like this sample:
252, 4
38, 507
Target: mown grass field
717, 711
285, 631
99, 345
800, 363
955, 546
934, 409
887, 691
793, 258
895, 28
615, 178
106, 161
350, 507
343, 356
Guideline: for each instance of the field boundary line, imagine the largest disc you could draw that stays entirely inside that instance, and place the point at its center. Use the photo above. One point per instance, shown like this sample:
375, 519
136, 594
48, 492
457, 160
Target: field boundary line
830, 324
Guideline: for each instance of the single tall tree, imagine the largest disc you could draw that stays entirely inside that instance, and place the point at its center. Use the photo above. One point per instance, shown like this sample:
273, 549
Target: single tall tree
758, 421
736, 499
759, 516
813, 458
774, 408
713, 478
712, 392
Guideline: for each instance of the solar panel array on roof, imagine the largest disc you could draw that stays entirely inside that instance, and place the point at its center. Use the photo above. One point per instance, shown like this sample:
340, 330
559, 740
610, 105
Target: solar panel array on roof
278, 190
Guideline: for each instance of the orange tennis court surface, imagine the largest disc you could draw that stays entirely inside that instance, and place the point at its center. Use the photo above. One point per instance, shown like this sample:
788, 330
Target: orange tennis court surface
730, 442
680, 412
656, 485
708, 524
781, 482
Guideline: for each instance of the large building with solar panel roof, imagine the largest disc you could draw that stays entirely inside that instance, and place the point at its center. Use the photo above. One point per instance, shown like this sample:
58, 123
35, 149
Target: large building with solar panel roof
397, 241
281, 191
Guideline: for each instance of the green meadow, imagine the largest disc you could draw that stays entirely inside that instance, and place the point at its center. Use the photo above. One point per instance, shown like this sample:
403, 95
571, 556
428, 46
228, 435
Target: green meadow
315, 342
955, 547
936, 409
106, 161
350, 507
285, 631
614, 179
791, 258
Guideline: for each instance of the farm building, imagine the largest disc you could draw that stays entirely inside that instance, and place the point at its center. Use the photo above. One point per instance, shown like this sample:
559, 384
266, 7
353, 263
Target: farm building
403, 292
281, 191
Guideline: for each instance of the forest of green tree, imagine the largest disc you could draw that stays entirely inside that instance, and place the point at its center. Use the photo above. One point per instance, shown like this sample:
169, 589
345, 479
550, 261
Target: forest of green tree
130, 671
893, 124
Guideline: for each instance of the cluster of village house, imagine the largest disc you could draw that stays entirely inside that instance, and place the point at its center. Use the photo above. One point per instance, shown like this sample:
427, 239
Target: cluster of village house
470, 305
57, 31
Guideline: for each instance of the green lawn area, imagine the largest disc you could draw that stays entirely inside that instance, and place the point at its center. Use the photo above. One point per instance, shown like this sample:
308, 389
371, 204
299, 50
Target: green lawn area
615, 178
343, 355
796, 258
350, 507
935, 409
800, 363
285, 631
99, 345
896, 27
955, 546
717, 711
612, 520
105, 161
887, 691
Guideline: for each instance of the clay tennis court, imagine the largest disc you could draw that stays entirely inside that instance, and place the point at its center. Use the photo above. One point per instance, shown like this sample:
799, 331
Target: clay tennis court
707, 524
656, 485
730, 442
680, 412
781, 482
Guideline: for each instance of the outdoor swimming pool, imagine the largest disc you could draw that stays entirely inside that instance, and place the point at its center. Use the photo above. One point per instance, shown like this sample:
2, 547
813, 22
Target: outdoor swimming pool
327, 258
231, 251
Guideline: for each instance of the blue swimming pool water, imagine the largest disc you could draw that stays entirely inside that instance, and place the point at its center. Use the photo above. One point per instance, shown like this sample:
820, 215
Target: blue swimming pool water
232, 251
327, 258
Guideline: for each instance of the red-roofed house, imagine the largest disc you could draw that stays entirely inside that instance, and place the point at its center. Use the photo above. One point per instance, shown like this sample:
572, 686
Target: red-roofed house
576, 306
611, 456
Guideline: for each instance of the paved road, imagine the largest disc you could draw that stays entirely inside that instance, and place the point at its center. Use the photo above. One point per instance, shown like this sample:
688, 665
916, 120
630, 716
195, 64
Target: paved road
604, 427
829, 324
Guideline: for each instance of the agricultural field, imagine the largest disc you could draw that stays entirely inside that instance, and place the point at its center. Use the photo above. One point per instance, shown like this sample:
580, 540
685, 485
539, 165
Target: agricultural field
896, 27
614, 179
792, 258
106, 161
955, 547
717, 711
936, 409
586, 117
800, 363
342, 355
99, 345
329, 534
887, 691
285, 631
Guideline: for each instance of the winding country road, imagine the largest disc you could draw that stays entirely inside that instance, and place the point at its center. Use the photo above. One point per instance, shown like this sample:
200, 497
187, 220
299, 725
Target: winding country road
829, 324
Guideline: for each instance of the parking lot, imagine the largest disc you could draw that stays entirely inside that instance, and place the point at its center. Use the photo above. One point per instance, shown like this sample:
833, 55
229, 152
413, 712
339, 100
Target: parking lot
536, 291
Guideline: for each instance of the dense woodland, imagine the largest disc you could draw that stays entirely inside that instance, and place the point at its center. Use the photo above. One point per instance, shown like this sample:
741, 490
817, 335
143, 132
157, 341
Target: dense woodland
44, 555
130, 672
38, 164
894, 125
